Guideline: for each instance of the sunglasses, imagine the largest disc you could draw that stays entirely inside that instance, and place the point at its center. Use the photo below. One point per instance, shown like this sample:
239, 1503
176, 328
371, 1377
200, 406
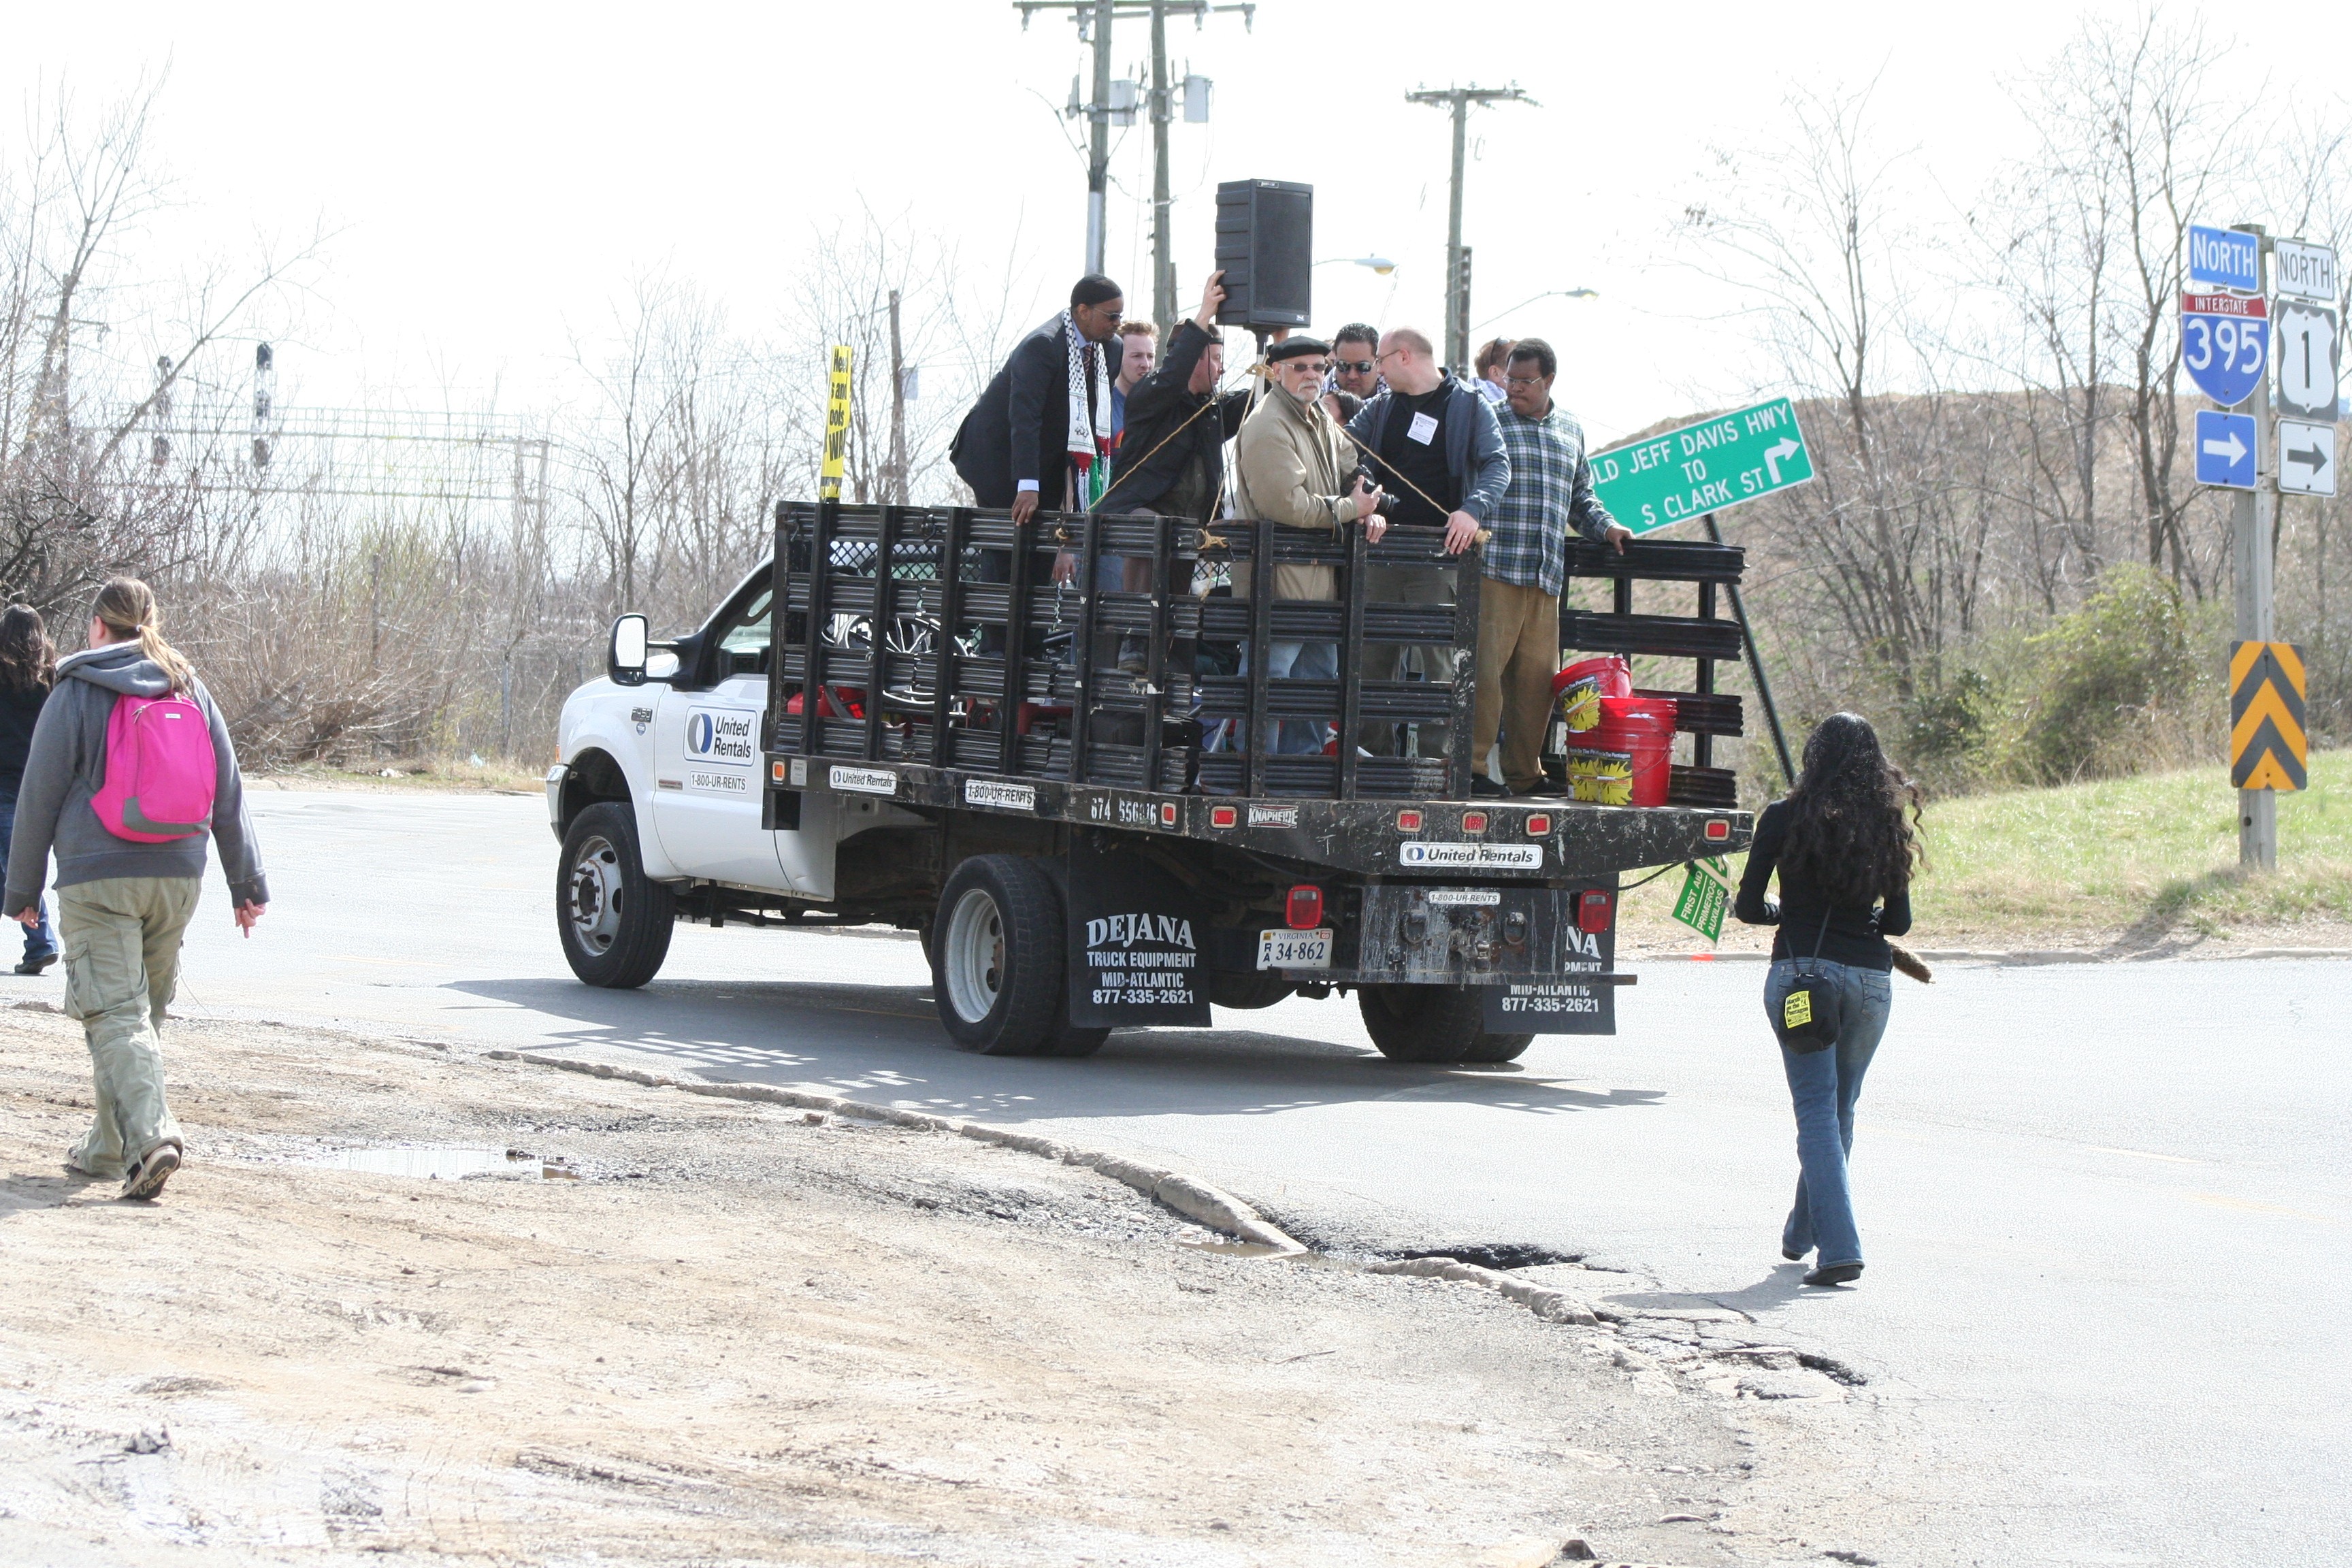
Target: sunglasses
1316, 366
1356, 366
1523, 381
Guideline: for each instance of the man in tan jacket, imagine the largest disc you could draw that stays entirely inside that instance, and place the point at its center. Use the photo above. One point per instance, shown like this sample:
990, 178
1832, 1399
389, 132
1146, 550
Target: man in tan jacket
1293, 470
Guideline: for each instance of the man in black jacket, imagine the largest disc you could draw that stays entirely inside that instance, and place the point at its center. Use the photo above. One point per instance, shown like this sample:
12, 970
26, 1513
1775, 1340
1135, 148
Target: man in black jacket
1016, 444
1172, 457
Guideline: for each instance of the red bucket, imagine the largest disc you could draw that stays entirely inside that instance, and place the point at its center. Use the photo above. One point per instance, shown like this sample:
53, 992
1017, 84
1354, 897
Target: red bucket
1578, 690
1624, 759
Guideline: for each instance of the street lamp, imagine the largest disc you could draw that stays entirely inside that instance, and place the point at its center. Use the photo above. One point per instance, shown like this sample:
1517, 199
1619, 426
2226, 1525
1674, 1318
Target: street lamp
1380, 264
1546, 294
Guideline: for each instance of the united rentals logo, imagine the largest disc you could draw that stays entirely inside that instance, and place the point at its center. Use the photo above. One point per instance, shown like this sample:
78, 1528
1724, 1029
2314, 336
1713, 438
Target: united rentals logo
864, 781
1510, 857
722, 734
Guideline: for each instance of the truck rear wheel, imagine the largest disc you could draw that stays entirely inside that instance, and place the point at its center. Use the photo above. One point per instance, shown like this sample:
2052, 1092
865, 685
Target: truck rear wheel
996, 961
1435, 1024
614, 921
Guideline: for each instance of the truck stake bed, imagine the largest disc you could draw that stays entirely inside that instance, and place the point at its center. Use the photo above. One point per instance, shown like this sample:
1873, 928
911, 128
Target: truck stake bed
1081, 795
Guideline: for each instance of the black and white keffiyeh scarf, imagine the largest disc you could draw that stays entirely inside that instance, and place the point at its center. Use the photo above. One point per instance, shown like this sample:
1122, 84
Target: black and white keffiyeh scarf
1089, 415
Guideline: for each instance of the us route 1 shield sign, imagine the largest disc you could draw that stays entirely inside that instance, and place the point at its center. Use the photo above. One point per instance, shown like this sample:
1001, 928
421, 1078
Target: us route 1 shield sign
2307, 359
2225, 449
2224, 340
2306, 457
1685, 474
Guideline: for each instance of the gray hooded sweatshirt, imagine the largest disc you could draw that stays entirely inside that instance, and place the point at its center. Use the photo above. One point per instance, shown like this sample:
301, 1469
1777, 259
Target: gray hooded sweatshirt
67, 767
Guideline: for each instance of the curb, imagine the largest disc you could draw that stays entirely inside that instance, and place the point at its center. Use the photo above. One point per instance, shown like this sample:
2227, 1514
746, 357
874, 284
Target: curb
1195, 1200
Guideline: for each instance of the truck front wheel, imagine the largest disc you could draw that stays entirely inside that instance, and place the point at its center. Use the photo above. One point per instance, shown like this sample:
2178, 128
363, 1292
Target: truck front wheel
1434, 1024
996, 960
614, 921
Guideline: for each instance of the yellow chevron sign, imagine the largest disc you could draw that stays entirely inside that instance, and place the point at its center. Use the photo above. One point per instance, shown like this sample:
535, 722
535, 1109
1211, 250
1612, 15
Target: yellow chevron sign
2267, 748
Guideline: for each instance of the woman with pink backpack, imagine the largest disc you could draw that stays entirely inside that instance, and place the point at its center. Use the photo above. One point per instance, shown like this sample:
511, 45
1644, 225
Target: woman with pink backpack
130, 771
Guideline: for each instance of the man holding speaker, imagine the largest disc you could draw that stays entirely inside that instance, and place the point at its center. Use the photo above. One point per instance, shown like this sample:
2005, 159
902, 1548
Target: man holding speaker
1041, 432
1434, 444
1294, 469
1524, 563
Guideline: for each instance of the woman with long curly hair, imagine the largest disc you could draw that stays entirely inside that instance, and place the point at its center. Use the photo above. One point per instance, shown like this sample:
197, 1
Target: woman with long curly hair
29, 667
1846, 850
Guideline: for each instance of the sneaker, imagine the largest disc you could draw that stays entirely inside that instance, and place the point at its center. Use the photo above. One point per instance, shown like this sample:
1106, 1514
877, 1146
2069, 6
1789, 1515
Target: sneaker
147, 1178
36, 963
1132, 659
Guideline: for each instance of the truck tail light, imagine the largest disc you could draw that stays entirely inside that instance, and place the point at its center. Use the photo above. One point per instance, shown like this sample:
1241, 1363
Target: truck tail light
1303, 910
1594, 909
1718, 831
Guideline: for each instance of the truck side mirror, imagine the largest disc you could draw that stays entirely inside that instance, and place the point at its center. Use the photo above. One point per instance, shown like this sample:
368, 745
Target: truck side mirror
624, 661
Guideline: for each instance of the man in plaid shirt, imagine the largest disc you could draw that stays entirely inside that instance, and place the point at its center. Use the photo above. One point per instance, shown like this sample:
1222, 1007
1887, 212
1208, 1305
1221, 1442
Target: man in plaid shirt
1518, 599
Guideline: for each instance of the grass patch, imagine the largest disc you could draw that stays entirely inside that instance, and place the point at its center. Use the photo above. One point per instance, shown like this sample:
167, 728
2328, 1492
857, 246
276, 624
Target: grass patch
2130, 862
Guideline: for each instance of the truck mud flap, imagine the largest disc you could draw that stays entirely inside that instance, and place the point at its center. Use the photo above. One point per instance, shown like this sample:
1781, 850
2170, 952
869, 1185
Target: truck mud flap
1135, 936
1555, 1007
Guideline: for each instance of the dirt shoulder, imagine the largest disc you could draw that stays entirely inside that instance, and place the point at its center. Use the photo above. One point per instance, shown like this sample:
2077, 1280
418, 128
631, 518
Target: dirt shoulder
676, 1329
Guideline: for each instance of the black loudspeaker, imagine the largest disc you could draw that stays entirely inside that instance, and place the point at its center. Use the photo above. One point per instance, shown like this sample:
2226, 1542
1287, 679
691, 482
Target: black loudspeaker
1266, 247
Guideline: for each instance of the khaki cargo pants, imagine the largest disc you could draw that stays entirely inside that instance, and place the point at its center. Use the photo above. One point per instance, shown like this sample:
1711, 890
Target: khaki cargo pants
123, 962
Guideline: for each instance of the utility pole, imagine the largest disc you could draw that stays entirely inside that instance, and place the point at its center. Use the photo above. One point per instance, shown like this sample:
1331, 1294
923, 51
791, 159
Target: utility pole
2251, 520
1098, 161
1095, 18
894, 485
1457, 269
1164, 265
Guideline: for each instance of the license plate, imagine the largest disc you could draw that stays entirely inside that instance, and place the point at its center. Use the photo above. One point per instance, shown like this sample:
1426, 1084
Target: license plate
1294, 949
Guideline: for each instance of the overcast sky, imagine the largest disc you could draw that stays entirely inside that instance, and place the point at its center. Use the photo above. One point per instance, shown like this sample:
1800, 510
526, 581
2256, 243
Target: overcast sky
495, 172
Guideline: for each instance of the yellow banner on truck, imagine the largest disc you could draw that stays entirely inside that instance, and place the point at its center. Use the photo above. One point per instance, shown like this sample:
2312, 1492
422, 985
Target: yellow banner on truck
837, 426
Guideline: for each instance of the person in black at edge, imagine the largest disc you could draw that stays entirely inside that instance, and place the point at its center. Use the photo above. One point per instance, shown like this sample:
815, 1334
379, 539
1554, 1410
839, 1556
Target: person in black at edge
29, 667
1845, 853
1172, 460
1049, 405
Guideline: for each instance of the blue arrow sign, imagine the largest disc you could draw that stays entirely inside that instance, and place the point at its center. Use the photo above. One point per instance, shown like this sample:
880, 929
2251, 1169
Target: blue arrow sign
2225, 449
2225, 340
2225, 258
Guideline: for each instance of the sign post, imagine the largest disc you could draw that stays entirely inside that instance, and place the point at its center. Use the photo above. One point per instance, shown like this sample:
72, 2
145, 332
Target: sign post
2249, 559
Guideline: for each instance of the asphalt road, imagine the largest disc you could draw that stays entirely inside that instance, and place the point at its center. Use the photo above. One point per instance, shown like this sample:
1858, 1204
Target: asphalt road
2107, 1208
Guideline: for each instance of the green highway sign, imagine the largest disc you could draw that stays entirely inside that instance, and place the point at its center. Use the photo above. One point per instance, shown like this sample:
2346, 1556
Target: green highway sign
1683, 475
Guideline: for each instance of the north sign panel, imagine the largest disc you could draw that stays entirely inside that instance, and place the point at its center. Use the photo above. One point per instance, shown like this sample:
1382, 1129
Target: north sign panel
2300, 271
2224, 342
2224, 258
1685, 474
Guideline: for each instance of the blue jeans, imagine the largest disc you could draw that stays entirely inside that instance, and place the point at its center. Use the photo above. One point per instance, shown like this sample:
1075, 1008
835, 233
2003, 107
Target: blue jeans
1299, 662
1823, 1087
41, 942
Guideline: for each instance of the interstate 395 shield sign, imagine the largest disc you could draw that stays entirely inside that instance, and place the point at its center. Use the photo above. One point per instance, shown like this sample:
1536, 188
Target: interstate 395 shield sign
2225, 340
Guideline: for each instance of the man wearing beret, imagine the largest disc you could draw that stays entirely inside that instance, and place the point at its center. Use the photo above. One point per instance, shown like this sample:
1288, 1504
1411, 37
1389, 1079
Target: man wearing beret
1294, 468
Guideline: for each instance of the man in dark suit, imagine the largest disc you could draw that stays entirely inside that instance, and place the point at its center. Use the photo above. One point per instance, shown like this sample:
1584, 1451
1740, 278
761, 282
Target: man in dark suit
1015, 446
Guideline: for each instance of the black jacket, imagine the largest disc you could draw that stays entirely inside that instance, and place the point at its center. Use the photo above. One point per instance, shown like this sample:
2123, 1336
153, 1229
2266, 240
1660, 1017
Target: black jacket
19, 710
1020, 428
1159, 446
1855, 934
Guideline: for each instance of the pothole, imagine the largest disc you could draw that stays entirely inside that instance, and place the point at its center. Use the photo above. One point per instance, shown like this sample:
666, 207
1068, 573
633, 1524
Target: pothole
1496, 1255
